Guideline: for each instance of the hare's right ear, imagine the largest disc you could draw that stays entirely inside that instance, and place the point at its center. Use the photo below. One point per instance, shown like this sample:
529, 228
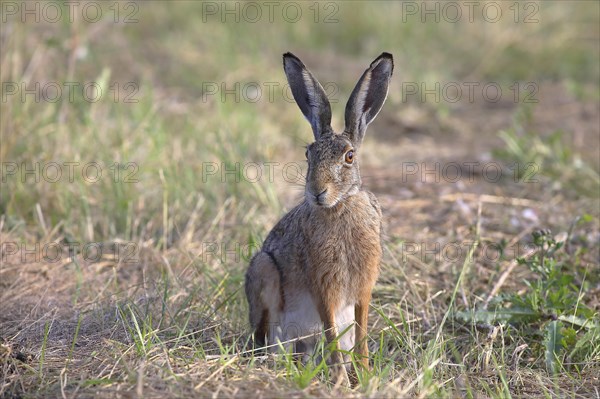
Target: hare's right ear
309, 94
368, 97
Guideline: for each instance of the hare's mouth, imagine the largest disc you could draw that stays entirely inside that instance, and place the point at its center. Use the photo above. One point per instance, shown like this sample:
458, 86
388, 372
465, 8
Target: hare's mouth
325, 205
323, 199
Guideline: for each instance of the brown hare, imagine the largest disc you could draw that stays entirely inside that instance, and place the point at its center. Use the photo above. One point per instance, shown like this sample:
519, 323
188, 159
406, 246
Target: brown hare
318, 265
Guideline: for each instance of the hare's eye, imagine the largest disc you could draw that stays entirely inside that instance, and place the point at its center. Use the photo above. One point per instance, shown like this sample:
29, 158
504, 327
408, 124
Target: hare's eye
306, 154
349, 157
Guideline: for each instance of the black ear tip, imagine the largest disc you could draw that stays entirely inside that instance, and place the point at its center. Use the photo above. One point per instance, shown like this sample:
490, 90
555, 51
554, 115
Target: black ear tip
291, 57
387, 57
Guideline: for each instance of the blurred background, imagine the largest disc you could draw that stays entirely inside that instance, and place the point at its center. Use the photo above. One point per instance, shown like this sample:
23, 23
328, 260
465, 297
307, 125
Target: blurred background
169, 126
203, 82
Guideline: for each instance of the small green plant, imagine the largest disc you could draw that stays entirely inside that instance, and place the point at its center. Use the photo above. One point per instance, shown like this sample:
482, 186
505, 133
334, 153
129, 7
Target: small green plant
139, 328
552, 307
534, 157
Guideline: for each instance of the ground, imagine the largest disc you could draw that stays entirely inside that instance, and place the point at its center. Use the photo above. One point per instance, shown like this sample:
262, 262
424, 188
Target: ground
131, 284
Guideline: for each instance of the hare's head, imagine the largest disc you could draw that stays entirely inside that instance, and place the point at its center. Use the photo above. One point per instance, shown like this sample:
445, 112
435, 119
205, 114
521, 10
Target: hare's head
333, 172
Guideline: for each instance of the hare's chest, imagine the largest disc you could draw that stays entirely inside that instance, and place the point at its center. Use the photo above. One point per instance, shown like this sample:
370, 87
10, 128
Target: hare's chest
345, 238
354, 230
345, 251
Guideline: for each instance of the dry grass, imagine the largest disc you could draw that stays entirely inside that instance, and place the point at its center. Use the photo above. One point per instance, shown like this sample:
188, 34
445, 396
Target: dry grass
168, 324
161, 313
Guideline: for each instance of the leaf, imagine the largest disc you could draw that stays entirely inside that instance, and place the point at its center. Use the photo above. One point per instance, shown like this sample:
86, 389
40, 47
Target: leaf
553, 345
569, 337
513, 315
578, 321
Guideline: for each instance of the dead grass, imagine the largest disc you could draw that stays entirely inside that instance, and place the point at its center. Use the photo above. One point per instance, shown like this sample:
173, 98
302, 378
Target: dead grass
166, 315
70, 327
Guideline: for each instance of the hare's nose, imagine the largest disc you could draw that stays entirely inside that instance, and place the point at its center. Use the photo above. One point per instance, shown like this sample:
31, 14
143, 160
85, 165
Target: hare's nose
320, 198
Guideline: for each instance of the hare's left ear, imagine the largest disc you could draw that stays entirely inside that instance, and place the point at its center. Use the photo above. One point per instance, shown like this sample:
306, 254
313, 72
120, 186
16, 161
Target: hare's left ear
368, 97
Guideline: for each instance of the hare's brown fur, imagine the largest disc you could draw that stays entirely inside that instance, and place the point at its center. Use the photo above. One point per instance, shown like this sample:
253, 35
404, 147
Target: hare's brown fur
318, 265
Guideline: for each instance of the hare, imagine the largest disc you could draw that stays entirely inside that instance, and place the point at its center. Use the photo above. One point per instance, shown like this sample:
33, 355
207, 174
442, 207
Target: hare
317, 267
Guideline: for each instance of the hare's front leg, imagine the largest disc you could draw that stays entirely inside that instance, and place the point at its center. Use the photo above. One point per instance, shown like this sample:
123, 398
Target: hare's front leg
361, 316
327, 314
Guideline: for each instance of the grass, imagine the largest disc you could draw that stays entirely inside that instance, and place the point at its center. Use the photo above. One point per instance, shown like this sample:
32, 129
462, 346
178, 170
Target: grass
131, 284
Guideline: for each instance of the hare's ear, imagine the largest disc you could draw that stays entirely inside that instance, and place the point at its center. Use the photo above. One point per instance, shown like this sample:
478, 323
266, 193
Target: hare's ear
308, 93
368, 97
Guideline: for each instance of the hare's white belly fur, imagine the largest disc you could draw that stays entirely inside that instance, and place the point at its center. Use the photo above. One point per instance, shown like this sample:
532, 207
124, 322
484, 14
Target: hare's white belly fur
300, 319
